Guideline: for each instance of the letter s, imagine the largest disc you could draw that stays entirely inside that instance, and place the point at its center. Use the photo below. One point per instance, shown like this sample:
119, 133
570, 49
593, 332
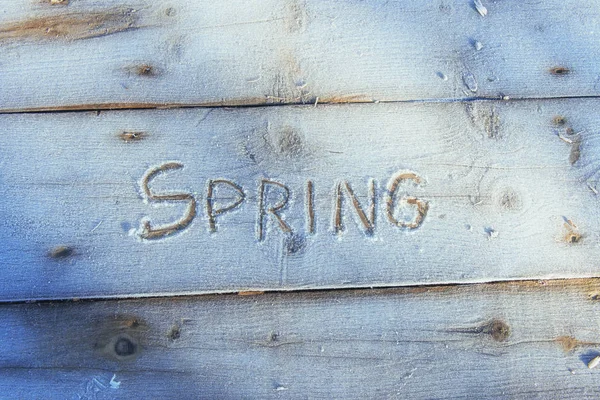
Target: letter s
147, 231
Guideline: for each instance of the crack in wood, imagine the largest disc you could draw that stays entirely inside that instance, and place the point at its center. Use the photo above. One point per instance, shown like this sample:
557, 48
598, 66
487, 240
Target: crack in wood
260, 102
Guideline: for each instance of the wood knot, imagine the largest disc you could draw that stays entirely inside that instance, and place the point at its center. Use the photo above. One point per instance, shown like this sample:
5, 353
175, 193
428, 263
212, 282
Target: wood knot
125, 346
560, 71
61, 252
559, 120
119, 337
174, 333
145, 70
273, 337
132, 136
288, 142
132, 323
498, 329
572, 236
294, 244
575, 152
510, 200
568, 343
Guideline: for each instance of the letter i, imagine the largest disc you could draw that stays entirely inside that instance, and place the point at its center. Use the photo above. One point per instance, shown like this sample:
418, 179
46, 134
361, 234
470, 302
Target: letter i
310, 208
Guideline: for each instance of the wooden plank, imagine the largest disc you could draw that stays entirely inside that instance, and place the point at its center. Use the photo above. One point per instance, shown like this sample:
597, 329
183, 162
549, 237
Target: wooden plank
142, 53
527, 340
117, 203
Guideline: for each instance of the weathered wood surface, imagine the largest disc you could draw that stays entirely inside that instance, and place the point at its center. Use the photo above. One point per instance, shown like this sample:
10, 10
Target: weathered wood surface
204, 200
501, 190
527, 340
143, 53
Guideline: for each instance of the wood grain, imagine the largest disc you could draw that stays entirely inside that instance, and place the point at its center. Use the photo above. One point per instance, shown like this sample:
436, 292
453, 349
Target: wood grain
117, 203
140, 53
511, 340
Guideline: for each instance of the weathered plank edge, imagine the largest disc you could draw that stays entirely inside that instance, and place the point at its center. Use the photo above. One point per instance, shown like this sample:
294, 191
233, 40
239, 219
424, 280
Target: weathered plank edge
483, 285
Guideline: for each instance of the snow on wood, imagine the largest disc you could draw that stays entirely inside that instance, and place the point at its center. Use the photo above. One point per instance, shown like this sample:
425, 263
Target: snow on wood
147, 202
140, 53
509, 340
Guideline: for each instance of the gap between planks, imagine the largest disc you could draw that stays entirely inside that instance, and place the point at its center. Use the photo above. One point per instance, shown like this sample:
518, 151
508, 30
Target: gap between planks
257, 103
591, 283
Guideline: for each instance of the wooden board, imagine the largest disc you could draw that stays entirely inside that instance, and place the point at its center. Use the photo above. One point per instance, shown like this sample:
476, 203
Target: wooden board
116, 203
527, 340
89, 54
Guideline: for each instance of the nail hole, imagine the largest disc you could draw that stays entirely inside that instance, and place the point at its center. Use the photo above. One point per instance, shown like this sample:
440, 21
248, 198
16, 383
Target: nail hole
125, 347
